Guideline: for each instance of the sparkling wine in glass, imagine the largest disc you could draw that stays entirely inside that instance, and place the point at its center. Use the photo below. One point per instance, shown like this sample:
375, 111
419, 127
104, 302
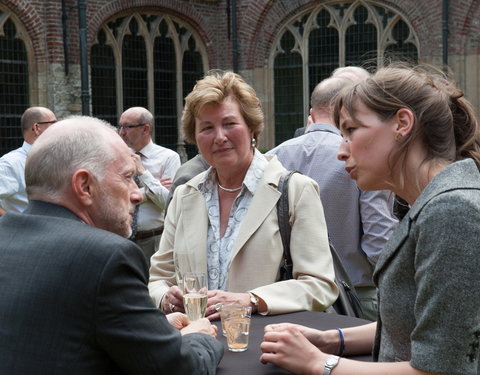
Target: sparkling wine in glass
195, 294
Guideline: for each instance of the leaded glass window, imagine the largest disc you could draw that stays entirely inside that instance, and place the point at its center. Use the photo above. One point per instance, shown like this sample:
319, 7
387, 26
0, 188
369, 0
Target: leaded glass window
150, 61
191, 72
322, 49
103, 74
288, 89
165, 78
312, 44
14, 85
360, 39
134, 68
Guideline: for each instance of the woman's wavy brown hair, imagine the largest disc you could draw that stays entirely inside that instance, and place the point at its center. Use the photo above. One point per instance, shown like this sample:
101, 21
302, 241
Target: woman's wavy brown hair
214, 88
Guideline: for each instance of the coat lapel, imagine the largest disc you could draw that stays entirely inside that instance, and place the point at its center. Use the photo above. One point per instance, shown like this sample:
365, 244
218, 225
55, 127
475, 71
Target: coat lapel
263, 202
195, 223
453, 178
399, 235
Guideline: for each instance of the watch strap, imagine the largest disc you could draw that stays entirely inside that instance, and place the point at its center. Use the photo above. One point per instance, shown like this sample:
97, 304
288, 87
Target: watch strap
254, 300
330, 364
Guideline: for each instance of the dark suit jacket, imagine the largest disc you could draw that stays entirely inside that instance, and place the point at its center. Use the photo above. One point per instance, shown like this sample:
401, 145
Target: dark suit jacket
74, 300
187, 170
299, 132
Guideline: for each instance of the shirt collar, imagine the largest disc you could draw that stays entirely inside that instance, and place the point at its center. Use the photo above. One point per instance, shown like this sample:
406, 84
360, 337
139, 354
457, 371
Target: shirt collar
321, 126
250, 182
147, 150
26, 146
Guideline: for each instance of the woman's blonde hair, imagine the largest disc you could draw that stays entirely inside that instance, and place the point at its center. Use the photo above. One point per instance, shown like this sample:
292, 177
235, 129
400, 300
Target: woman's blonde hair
444, 121
214, 88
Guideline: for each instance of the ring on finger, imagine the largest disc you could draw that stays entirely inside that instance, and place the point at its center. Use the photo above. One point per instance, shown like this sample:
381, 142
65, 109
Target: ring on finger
172, 307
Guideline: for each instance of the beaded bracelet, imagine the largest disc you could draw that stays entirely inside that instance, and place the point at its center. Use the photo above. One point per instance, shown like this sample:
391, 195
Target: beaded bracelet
342, 342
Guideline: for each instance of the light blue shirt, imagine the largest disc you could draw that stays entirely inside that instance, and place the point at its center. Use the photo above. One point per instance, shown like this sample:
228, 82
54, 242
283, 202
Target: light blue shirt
359, 222
13, 197
219, 249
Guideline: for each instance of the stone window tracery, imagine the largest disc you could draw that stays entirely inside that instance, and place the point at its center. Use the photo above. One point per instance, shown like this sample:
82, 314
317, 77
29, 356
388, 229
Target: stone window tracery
149, 60
336, 33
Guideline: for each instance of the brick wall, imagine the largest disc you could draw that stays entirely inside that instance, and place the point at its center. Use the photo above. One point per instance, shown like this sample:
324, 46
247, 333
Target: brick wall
259, 21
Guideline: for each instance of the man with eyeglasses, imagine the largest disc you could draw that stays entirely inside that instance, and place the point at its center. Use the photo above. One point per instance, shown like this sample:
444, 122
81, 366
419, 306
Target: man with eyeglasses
13, 198
156, 167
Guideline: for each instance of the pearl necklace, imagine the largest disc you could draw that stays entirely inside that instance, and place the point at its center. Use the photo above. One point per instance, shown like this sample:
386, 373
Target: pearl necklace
228, 190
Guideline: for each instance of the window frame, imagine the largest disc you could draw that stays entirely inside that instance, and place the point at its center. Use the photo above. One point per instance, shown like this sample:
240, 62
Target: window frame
115, 37
341, 17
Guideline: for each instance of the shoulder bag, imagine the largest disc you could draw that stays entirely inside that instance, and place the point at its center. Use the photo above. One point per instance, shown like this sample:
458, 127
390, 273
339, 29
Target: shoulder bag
347, 302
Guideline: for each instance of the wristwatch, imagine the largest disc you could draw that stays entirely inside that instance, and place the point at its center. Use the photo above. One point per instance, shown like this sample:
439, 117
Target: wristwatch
330, 364
254, 300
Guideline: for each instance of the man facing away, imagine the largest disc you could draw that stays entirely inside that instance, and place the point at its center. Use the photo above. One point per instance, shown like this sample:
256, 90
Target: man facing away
359, 223
155, 167
13, 198
74, 290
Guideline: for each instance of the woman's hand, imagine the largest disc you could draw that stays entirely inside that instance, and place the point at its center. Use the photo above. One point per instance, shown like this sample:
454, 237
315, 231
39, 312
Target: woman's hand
221, 297
288, 348
173, 300
326, 341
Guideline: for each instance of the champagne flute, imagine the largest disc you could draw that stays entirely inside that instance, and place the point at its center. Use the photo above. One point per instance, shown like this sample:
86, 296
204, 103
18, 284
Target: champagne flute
184, 262
195, 294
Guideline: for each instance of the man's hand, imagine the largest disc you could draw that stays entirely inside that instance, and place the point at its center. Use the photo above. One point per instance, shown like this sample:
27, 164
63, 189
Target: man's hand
166, 182
201, 326
178, 320
140, 169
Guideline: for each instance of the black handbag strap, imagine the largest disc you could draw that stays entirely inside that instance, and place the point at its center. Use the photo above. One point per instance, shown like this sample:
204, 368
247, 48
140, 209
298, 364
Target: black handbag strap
283, 215
347, 302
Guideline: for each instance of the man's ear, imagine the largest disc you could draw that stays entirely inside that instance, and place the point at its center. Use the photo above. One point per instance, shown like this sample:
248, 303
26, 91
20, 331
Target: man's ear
147, 129
312, 115
84, 185
36, 129
404, 121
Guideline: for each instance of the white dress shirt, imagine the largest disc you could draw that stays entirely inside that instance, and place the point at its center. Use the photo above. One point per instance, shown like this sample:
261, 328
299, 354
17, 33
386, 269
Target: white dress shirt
13, 197
159, 162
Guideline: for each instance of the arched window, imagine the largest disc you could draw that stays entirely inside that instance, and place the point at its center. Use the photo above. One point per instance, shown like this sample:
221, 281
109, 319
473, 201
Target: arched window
288, 97
151, 61
14, 84
314, 43
104, 86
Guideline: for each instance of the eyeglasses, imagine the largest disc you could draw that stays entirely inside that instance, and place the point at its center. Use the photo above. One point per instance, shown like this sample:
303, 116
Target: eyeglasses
119, 127
46, 122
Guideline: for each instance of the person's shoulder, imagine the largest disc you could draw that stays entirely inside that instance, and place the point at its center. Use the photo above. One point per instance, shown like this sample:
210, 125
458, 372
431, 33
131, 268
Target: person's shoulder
157, 148
275, 170
302, 179
457, 187
13, 157
285, 145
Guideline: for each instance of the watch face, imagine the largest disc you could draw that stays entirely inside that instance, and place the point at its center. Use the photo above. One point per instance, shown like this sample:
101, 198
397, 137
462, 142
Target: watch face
332, 361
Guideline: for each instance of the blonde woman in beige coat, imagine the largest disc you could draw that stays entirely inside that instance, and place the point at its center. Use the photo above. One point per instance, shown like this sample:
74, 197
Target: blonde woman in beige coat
227, 217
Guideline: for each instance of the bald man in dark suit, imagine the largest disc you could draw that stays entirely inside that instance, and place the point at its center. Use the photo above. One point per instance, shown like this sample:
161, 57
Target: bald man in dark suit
74, 290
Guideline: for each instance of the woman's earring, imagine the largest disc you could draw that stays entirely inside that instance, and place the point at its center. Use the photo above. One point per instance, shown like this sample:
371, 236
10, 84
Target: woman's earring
254, 143
398, 136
